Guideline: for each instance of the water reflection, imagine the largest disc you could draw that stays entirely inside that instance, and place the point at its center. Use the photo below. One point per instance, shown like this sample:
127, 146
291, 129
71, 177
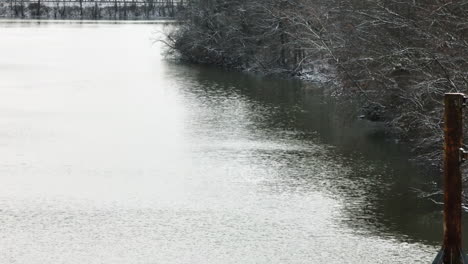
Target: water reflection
131, 159
378, 182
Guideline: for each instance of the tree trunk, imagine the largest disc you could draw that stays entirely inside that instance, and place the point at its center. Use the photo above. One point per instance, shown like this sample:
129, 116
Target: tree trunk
81, 9
38, 8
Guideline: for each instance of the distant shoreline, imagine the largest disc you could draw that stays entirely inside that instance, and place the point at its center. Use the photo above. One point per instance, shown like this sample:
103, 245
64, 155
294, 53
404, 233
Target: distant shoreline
88, 21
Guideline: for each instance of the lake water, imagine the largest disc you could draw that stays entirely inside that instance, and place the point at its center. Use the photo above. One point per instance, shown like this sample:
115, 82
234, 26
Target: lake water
112, 154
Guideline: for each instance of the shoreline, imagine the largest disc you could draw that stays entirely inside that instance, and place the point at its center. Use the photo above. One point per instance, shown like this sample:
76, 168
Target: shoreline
87, 21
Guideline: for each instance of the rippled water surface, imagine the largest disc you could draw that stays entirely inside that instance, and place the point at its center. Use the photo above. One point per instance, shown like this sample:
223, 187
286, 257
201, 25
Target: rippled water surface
110, 154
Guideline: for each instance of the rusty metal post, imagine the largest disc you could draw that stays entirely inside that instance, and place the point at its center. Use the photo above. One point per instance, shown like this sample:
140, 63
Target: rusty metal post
453, 128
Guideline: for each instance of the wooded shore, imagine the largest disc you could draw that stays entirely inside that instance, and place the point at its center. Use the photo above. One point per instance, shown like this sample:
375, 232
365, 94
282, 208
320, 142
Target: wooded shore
397, 58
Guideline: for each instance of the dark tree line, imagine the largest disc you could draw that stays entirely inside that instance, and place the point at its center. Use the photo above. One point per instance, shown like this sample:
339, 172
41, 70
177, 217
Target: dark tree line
90, 9
397, 57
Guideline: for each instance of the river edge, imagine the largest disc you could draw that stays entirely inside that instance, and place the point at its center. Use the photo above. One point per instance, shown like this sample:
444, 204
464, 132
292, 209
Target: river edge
324, 76
402, 247
86, 21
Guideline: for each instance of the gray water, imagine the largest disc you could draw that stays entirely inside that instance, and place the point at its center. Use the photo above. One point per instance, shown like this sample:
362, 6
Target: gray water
111, 154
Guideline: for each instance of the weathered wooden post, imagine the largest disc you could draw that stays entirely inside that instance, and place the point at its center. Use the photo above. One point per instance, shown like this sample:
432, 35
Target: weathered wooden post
453, 129
454, 155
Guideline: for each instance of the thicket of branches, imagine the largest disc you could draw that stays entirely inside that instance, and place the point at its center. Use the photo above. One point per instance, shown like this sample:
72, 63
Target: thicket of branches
399, 57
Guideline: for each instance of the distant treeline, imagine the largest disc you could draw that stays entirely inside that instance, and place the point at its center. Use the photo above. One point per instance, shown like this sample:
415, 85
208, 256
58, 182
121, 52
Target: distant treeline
89, 9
